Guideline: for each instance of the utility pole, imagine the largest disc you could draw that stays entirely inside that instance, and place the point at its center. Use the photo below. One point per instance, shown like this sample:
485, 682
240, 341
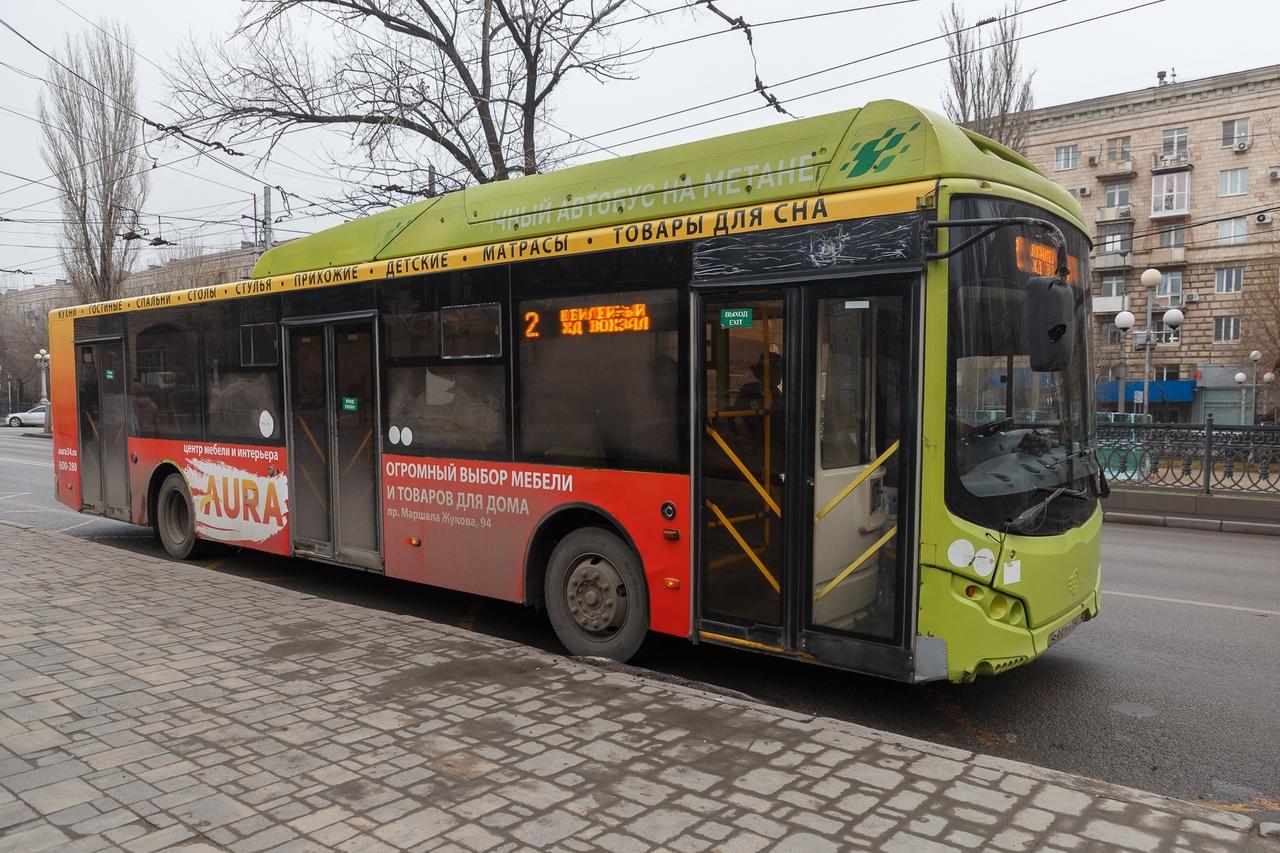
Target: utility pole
266, 217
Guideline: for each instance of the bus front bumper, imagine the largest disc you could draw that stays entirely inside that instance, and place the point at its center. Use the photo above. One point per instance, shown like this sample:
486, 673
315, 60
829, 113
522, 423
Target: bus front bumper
986, 635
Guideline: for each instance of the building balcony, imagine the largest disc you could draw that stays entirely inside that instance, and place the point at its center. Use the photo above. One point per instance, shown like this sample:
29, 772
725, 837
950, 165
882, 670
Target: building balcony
1115, 170
1116, 213
1170, 211
1110, 304
1155, 338
1113, 260
1171, 161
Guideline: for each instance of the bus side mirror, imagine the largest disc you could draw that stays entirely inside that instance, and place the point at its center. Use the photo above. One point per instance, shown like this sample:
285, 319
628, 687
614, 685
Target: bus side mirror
1051, 318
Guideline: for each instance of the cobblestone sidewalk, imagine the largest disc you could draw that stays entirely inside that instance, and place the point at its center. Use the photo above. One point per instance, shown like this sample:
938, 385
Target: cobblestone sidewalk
149, 705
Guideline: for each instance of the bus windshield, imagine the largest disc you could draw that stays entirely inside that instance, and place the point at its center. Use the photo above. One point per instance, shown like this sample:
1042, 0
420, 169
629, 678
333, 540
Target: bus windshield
1014, 434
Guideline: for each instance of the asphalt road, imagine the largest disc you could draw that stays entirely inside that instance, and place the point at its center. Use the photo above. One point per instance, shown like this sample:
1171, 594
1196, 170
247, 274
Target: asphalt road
1174, 689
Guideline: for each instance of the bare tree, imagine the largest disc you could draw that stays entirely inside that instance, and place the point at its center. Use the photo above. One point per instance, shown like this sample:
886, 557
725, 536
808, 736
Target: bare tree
438, 93
990, 93
1260, 330
91, 137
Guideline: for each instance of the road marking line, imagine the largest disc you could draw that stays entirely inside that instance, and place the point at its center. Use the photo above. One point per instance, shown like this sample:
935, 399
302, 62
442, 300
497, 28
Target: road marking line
1106, 592
14, 495
48, 464
74, 526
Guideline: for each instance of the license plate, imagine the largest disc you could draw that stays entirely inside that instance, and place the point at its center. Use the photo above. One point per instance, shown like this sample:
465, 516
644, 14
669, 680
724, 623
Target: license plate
1065, 631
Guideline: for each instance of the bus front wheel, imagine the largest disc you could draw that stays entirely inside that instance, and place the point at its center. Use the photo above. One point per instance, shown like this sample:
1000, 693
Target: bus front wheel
175, 519
596, 596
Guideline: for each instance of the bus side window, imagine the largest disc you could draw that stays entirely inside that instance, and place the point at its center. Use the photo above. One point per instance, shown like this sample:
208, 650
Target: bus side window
599, 382
164, 347
242, 372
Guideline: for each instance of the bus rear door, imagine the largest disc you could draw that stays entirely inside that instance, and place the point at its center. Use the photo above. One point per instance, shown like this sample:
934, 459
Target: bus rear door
104, 441
333, 441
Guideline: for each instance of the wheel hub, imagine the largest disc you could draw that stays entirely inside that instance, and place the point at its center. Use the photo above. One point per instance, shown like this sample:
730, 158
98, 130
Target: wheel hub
596, 595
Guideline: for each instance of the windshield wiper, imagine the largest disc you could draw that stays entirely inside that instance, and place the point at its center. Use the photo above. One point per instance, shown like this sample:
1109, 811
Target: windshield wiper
1018, 525
1075, 454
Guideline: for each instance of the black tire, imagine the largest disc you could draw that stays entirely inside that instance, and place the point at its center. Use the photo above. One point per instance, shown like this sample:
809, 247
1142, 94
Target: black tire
596, 595
15, 422
175, 521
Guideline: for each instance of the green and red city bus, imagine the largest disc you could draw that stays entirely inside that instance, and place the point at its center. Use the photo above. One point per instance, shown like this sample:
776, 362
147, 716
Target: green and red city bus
817, 390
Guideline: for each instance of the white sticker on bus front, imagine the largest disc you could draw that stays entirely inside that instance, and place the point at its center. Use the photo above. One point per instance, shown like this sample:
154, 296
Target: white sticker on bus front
960, 553
406, 436
1013, 571
394, 434
266, 424
857, 303
984, 562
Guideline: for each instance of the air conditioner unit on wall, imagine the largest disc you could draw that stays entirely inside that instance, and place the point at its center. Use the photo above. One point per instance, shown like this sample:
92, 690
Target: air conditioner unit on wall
1083, 191
1262, 218
1093, 159
1191, 296
1242, 146
1274, 172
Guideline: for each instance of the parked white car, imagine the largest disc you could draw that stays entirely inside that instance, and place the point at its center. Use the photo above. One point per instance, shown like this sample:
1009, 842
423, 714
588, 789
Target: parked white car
32, 417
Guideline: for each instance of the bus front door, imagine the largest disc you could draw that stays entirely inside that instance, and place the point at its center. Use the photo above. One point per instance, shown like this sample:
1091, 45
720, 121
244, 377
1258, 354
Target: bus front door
743, 470
859, 395
803, 477
333, 442
104, 446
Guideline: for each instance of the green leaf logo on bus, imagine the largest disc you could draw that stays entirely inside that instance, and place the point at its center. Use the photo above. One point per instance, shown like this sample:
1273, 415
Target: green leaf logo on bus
876, 154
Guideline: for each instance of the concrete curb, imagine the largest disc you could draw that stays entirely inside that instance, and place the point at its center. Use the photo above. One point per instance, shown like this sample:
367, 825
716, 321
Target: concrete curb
627, 675
1217, 524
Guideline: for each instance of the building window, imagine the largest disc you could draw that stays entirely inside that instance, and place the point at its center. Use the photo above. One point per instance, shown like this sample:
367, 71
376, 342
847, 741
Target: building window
1175, 140
1231, 232
1166, 372
1111, 335
1115, 237
1233, 181
1118, 148
1228, 280
1117, 194
1170, 194
1166, 334
1226, 329
1113, 285
1065, 157
1173, 238
1170, 285
1234, 131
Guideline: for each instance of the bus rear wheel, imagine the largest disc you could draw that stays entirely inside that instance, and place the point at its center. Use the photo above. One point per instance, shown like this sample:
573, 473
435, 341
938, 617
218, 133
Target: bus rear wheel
596, 596
175, 520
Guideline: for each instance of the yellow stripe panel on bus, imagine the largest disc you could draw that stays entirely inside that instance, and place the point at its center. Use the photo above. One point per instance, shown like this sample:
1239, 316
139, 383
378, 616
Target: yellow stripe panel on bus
856, 204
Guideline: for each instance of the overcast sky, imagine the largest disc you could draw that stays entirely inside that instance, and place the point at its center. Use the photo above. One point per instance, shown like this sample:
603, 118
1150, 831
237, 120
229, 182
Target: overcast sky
1114, 54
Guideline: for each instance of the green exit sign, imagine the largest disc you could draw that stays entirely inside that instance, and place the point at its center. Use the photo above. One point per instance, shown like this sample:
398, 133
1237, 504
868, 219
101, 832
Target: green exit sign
111, 374
735, 318
350, 404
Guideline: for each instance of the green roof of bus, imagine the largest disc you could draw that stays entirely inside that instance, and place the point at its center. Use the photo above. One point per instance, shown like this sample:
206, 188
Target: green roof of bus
885, 142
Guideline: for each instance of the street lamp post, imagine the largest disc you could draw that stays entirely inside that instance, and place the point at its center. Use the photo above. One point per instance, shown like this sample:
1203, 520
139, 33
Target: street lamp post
1255, 357
1124, 322
42, 361
1241, 378
1267, 379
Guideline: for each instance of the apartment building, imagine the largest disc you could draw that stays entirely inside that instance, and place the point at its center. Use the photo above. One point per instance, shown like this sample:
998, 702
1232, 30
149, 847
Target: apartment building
1177, 177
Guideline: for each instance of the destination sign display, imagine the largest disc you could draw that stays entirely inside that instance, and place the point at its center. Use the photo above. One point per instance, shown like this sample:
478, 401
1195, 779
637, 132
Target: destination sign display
1042, 259
587, 320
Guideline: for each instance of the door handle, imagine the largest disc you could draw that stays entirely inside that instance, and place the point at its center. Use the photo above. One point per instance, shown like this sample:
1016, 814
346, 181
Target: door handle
808, 481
